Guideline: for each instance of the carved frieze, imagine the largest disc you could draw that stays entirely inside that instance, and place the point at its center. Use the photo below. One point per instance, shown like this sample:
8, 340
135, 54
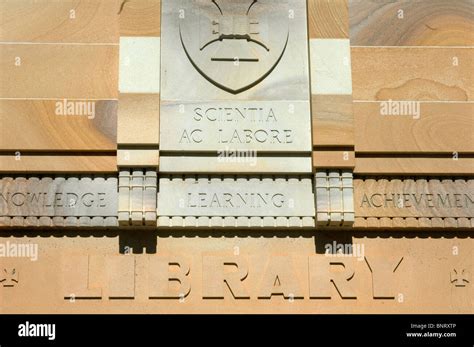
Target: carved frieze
235, 201
58, 201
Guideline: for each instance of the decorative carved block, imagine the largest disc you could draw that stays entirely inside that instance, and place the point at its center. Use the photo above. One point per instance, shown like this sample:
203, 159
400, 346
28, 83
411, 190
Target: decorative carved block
137, 197
334, 192
9, 277
459, 277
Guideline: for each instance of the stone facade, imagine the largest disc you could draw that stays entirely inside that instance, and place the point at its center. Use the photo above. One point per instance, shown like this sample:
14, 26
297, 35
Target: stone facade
242, 159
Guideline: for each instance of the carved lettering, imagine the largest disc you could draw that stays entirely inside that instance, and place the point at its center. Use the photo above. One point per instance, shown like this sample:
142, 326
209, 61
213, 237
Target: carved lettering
227, 276
280, 278
431, 200
235, 200
45, 199
234, 114
168, 278
61, 197
221, 272
382, 276
323, 277
120, 276
77, 281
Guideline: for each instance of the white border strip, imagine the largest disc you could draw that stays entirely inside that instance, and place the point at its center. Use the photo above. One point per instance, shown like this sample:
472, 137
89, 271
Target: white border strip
61, 43
420, 101
468, 47
63, 98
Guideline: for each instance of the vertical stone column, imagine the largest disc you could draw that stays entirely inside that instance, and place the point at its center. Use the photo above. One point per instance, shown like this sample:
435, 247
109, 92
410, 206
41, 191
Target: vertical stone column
332, 115
138, 111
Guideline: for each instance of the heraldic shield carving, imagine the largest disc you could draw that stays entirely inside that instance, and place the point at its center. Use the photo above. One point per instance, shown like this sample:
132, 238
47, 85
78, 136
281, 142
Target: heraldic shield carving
234, 44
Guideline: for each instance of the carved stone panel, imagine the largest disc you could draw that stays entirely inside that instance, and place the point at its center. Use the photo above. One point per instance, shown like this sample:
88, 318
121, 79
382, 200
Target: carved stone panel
403, 202
59, 201
406, 197
235, 201
235, 73
58, 196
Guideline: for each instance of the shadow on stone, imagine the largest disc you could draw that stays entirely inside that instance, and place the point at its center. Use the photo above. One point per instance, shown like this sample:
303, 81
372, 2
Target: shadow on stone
137, 242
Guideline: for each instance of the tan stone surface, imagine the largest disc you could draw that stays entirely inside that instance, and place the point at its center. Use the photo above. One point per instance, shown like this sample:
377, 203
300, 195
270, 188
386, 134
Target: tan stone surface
138, 119
399, 273
140, 18
138, 157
